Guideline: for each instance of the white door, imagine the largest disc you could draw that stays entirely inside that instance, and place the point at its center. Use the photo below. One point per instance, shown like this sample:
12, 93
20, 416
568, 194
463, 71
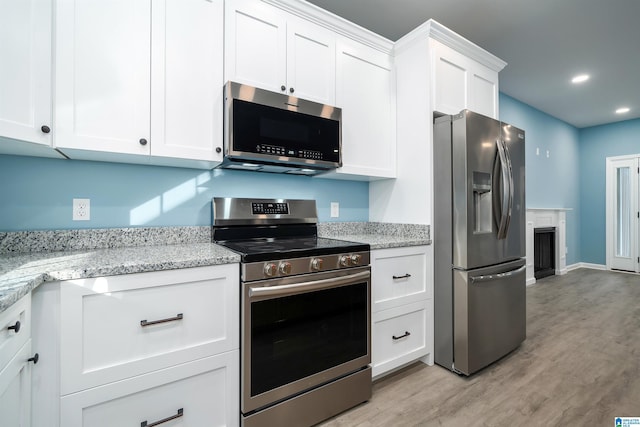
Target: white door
622, 213
103, 75
25, 70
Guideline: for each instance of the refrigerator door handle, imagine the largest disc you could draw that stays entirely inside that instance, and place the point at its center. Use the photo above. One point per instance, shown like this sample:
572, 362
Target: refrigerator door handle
490, 277
505, 182
511, 186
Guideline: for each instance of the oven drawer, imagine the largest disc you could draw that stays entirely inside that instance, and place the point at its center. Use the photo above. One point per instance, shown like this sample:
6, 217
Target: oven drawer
199, 393
112, 328
399, 336
15, 329
399, 276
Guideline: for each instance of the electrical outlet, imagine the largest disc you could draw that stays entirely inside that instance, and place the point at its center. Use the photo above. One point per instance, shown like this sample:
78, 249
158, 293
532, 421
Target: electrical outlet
81, 209
335, 209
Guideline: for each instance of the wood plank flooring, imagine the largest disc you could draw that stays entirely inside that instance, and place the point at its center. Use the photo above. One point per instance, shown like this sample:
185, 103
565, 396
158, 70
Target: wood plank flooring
580, 365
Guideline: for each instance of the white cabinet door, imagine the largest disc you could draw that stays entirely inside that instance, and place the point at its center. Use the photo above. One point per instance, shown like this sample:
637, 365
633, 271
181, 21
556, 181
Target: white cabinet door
200, 393
186, 79
311, 62
255, 45
15, 390
121, 326
102, 82
483, 91
364, 91
25, 70
461, 83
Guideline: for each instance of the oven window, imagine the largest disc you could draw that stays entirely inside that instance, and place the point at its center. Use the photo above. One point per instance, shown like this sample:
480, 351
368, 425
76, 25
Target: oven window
297, 336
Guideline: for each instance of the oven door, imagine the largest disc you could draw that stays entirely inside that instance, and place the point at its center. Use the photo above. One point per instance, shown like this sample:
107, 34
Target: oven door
302, 332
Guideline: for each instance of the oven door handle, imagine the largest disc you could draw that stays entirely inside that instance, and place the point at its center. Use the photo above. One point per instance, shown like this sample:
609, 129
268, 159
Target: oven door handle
259, 291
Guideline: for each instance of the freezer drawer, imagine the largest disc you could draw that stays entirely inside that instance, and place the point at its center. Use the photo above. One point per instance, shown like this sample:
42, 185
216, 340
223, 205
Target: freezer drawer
489, 314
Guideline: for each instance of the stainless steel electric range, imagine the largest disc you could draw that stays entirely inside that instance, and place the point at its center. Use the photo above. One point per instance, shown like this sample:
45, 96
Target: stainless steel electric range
305, 334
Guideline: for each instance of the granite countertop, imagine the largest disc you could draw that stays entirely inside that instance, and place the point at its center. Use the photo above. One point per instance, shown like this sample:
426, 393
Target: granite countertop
20, 273
30, 258
377, 235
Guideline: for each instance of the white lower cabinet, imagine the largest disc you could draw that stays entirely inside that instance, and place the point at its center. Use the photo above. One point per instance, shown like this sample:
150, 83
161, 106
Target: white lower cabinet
122, 350
399, 336
200, 393
15, 390
402, 307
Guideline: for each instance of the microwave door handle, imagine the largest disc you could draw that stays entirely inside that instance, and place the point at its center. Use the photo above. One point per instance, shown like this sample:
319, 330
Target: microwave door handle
504, 183
261, 291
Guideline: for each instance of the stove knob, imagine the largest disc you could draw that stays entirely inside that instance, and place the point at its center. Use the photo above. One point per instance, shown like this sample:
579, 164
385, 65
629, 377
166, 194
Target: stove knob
344, 261
316, 264
270, 269
285, 267
355, 259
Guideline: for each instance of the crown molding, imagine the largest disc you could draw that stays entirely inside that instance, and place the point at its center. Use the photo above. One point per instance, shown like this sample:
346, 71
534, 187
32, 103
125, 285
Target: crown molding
335, 23
436, 31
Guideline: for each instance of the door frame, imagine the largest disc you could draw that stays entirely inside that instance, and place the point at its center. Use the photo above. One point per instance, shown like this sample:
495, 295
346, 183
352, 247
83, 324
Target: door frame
610, 205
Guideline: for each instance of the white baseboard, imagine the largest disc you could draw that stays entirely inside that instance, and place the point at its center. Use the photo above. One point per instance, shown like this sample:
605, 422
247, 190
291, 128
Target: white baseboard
531, 281
586, 265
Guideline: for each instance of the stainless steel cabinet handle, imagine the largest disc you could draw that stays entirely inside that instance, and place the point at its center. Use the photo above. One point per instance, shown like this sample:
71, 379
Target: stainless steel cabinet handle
157, 423
144, 323
406, 334
307, 286
489, 277
406, 276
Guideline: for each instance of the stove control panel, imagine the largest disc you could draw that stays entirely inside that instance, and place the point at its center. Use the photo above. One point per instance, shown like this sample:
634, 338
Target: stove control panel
268, 208
303, 265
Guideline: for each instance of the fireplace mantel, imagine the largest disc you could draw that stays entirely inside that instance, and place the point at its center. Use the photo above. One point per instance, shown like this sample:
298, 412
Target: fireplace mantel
547, 217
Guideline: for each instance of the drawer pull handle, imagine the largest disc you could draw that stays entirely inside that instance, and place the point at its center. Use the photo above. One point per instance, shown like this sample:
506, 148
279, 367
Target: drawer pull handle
144, 323
406, 334
406, 276
34, 359
15, 328
157, 423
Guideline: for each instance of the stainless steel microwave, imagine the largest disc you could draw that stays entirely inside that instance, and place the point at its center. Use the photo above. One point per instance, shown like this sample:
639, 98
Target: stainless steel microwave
272, 132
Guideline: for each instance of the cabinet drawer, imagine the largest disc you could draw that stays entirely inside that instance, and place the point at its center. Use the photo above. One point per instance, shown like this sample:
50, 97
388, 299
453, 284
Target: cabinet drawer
203, 392
399, 276
113, 328
18, 318
399, 336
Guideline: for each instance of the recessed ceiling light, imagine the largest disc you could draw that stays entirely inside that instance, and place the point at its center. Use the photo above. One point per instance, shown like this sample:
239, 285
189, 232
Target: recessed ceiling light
622, 110
580, 79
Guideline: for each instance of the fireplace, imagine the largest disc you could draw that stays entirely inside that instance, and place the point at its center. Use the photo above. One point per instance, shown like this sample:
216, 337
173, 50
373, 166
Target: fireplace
544, 250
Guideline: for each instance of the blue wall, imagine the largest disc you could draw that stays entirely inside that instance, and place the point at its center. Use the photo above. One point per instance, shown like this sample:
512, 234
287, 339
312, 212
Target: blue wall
37, 193
596, 144
551, 182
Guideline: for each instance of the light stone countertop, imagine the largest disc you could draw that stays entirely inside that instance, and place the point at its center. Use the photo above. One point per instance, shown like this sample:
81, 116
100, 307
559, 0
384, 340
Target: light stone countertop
22, 272
28, 259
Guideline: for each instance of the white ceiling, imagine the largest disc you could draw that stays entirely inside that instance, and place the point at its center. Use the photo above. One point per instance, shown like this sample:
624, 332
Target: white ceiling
544, 42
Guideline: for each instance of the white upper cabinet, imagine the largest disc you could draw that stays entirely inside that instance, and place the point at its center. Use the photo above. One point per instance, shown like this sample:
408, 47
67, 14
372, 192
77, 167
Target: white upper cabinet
269, 48
460, 82
187, 79
103, 75
25, 73
112, 98
365, 92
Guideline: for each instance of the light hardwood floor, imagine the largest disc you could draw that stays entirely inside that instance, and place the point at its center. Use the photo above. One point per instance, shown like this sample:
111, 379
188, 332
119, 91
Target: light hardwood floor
579, 366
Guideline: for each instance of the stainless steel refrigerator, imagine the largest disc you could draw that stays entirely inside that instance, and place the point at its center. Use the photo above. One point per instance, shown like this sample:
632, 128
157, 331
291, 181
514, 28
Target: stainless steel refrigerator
479, 241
